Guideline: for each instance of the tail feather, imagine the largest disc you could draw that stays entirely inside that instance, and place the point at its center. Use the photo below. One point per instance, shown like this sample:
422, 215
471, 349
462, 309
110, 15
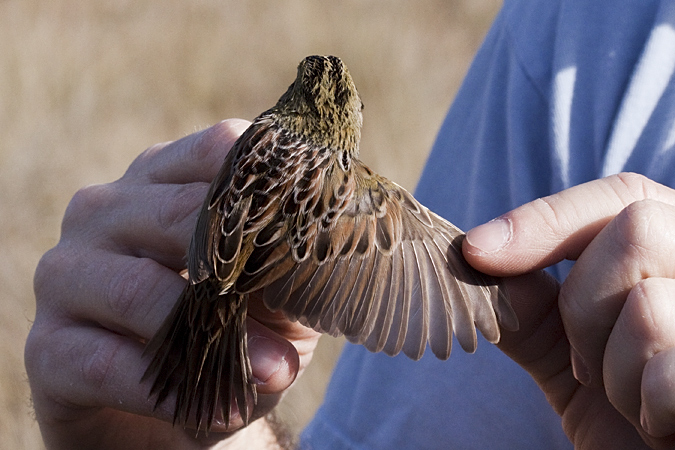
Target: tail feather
166, 365
204, 361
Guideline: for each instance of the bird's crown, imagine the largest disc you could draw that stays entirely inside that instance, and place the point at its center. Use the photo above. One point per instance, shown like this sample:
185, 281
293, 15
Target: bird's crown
323, 104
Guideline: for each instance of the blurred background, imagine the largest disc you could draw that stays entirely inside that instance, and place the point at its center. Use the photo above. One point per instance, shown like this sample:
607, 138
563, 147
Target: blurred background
86, 86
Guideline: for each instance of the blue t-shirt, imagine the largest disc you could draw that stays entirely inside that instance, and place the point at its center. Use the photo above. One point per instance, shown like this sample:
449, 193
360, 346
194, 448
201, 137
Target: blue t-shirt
560, 93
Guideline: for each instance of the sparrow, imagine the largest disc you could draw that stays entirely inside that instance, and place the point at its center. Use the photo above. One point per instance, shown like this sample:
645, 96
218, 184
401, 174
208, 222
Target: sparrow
295, 214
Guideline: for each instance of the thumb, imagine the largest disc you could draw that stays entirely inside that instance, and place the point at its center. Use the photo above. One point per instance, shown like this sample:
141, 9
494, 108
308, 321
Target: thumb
547, 230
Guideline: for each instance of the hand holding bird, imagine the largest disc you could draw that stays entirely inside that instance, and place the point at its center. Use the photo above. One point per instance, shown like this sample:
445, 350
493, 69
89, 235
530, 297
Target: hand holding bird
295, 214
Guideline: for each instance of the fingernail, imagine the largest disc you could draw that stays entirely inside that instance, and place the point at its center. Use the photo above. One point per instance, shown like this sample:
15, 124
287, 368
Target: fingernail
490, 237
267, 357
644, 419
579, 368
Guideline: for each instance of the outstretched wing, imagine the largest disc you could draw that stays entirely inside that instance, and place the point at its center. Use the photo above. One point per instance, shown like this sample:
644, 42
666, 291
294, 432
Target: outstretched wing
368, 261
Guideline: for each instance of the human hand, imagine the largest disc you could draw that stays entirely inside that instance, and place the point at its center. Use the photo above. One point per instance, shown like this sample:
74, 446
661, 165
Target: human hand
614, 313
105, 289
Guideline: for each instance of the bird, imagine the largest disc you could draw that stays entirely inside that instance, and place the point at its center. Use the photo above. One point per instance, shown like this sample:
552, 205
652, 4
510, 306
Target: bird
295, 214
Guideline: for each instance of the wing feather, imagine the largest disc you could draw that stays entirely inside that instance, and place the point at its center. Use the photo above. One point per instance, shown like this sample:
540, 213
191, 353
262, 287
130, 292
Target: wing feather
348, 321
307, 293
322, 304
340, 303
414, 340
388, 303
367, 309
473, 291
440, 312
399, 327
206, 240
378, 299
363, 259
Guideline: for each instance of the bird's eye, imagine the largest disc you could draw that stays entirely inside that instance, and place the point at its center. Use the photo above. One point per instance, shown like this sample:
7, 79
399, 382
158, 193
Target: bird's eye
362, 106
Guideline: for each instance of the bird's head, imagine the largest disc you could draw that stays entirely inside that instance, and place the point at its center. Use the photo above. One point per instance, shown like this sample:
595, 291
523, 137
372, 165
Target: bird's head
323, 104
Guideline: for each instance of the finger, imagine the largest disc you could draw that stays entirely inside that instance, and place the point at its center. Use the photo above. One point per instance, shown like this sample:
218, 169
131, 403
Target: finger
304, 339
657, 414
636, 245
133, 297
591, 423
196, 157
645, 327
548, 230
93, 368
274, 360
155, 221
130, 296
540, 345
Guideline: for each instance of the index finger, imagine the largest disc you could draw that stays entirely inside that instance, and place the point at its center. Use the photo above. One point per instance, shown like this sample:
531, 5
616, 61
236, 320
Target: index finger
194, 158
634, 246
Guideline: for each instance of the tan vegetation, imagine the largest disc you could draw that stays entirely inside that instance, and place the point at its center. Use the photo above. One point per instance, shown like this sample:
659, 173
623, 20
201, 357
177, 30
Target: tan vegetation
86, 86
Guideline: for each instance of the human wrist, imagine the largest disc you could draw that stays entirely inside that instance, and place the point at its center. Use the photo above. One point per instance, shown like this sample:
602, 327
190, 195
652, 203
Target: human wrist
268, 433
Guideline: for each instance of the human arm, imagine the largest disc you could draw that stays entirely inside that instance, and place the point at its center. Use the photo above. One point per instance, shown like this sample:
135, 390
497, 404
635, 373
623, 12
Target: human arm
615, 307
105, 289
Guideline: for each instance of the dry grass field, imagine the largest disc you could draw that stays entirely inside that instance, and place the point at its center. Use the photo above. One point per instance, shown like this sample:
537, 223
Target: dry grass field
86, 86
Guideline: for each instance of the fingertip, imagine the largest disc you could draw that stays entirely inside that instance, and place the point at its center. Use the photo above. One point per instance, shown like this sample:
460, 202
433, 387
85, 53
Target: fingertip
657, 412
274, 362
489, 238
487, 247
579, 368
223, 134
235, 126
193, 158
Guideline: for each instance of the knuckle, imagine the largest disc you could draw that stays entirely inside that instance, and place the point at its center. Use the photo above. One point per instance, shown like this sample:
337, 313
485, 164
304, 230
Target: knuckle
640, 226
633, 185
648, 312
203, 147
87, 203
130, 288
638, 311
45, 355
143, 162
34, 352
99, 364
184, 203
215, 141
549, 212
47, 270
657, 381
54, 267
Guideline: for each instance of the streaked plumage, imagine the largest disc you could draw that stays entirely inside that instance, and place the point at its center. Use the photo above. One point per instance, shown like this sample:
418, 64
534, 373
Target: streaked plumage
330, 243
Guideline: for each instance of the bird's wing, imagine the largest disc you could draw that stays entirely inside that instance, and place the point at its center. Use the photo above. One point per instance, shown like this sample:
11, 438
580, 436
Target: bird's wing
217, 238
263, 164
378, 267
